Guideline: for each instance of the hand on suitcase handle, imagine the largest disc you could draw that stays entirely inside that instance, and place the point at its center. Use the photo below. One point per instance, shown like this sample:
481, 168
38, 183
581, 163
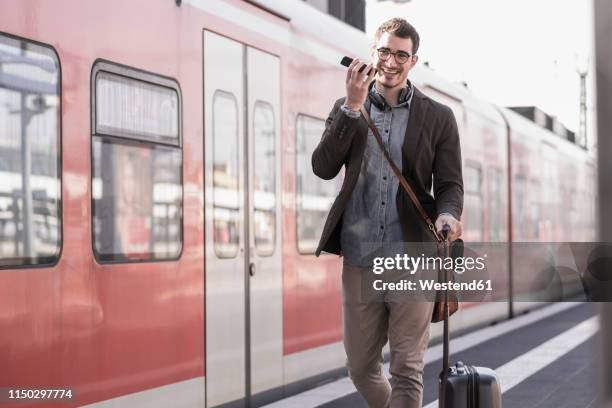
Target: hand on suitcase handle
445, 231
454, 226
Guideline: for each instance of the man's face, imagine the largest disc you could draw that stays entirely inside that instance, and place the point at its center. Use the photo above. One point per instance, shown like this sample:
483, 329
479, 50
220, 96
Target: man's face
392, 74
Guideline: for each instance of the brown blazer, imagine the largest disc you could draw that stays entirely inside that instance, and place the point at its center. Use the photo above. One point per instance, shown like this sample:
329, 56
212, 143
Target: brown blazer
431, 146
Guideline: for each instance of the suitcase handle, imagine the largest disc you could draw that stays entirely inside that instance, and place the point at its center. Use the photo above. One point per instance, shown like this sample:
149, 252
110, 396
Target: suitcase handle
445, 347
445, 231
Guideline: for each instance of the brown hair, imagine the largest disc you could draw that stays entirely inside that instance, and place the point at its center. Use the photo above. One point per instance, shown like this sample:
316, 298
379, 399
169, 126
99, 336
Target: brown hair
401, 28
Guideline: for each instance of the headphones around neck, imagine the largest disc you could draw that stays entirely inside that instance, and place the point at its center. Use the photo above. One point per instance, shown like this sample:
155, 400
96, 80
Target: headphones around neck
378, 100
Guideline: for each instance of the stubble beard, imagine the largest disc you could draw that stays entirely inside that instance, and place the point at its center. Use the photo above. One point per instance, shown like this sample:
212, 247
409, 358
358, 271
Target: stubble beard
384, 87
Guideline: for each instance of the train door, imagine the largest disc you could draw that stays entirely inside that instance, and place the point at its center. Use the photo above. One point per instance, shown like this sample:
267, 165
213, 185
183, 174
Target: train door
243, 232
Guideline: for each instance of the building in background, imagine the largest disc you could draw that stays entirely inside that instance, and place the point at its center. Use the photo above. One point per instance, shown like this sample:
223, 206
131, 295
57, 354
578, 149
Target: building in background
351, 12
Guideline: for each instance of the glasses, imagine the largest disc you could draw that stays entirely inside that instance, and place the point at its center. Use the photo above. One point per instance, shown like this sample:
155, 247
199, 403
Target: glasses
401, 57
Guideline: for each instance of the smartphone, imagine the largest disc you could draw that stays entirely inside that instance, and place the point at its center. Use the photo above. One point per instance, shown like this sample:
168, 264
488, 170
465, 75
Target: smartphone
346, 61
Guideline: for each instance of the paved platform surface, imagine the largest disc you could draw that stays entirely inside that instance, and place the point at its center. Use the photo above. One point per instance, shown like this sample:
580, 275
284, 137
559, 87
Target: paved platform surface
545, 359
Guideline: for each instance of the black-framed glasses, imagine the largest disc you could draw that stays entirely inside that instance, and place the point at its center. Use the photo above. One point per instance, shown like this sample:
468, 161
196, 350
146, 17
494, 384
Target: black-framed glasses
401, 57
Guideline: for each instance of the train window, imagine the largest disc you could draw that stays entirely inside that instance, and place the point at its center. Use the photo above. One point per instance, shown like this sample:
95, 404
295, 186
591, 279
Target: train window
264, 180
473, 202
520, 208
226, 198
548, 158
136, 166
568, 215
535, 209
30, 185
495, 206
128, 107
589, 207
314, 195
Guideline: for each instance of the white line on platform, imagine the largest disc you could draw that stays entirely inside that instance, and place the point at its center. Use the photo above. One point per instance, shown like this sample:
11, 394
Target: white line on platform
487, 333
522, 367
344, 386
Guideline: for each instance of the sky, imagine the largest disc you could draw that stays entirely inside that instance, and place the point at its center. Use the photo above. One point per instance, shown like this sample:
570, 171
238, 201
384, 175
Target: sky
510, 52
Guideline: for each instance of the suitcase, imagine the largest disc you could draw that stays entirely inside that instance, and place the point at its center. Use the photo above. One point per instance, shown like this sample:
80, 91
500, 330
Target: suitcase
471, 387
465, 386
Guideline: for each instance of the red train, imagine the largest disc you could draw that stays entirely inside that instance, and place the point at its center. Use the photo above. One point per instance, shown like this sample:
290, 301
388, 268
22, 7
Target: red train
158, 211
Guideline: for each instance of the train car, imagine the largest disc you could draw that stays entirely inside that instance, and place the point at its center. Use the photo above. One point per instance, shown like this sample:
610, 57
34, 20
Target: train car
158, 210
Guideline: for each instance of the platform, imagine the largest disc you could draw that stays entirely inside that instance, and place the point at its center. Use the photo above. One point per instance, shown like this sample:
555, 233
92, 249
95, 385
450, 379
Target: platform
543, 359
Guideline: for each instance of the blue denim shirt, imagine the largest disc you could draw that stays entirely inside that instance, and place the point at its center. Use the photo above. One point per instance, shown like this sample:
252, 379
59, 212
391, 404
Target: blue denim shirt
370, 217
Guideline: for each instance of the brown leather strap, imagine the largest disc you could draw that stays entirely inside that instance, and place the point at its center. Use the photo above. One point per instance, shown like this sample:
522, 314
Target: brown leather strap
400, 177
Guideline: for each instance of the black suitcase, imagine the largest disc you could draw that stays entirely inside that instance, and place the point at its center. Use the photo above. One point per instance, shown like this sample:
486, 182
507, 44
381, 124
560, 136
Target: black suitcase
471, 387
465, 386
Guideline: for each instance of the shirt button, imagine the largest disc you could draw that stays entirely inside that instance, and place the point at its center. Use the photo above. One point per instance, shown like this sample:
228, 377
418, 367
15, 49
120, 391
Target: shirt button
383, 203
384, 177
387, 131
382, 227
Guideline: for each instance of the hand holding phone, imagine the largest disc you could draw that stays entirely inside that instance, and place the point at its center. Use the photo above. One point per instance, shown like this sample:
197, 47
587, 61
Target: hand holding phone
358, 79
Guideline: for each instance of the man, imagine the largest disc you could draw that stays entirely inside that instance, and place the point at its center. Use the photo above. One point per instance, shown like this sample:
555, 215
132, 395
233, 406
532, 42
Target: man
421, 137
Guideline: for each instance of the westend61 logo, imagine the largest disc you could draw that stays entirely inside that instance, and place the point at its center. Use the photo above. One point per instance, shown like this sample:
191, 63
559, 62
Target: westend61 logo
412, 264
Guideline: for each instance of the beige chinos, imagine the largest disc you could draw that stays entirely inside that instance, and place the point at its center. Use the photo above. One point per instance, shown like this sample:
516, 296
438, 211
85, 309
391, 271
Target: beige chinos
367, 327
